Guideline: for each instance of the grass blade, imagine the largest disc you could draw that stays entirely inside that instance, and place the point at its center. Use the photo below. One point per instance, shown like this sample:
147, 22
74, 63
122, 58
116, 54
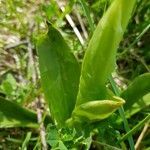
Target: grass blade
87, 13
122, 113
132, 131
26, 141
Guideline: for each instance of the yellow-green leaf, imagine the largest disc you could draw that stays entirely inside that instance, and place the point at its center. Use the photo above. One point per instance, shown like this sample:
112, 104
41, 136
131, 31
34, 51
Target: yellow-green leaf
95, 110
100, 57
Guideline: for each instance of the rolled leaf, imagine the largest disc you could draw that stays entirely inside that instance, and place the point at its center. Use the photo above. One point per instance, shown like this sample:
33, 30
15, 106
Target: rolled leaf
100, 57
95, 110
60, 74
98, 63
136, 90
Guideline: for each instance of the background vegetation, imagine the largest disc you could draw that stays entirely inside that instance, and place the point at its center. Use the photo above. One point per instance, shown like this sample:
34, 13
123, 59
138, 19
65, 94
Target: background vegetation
21, 23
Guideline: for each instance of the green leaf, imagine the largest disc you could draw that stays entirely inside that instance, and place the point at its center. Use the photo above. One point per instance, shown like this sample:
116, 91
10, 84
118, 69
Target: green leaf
52, 136
60, 73
136, 90
95, 110
98, 63
100, 57
138, 106
62, 146
13, 115
9, 84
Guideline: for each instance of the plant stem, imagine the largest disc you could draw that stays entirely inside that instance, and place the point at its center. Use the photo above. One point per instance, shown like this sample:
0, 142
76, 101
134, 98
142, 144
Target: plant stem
141, 123
122, 114
141, 136
136, 40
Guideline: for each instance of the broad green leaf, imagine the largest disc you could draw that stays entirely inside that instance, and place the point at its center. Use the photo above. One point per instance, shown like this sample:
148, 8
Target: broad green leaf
95, 110
141, 104
100, 57
60, 73
13, 115
136, 90
138, 106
